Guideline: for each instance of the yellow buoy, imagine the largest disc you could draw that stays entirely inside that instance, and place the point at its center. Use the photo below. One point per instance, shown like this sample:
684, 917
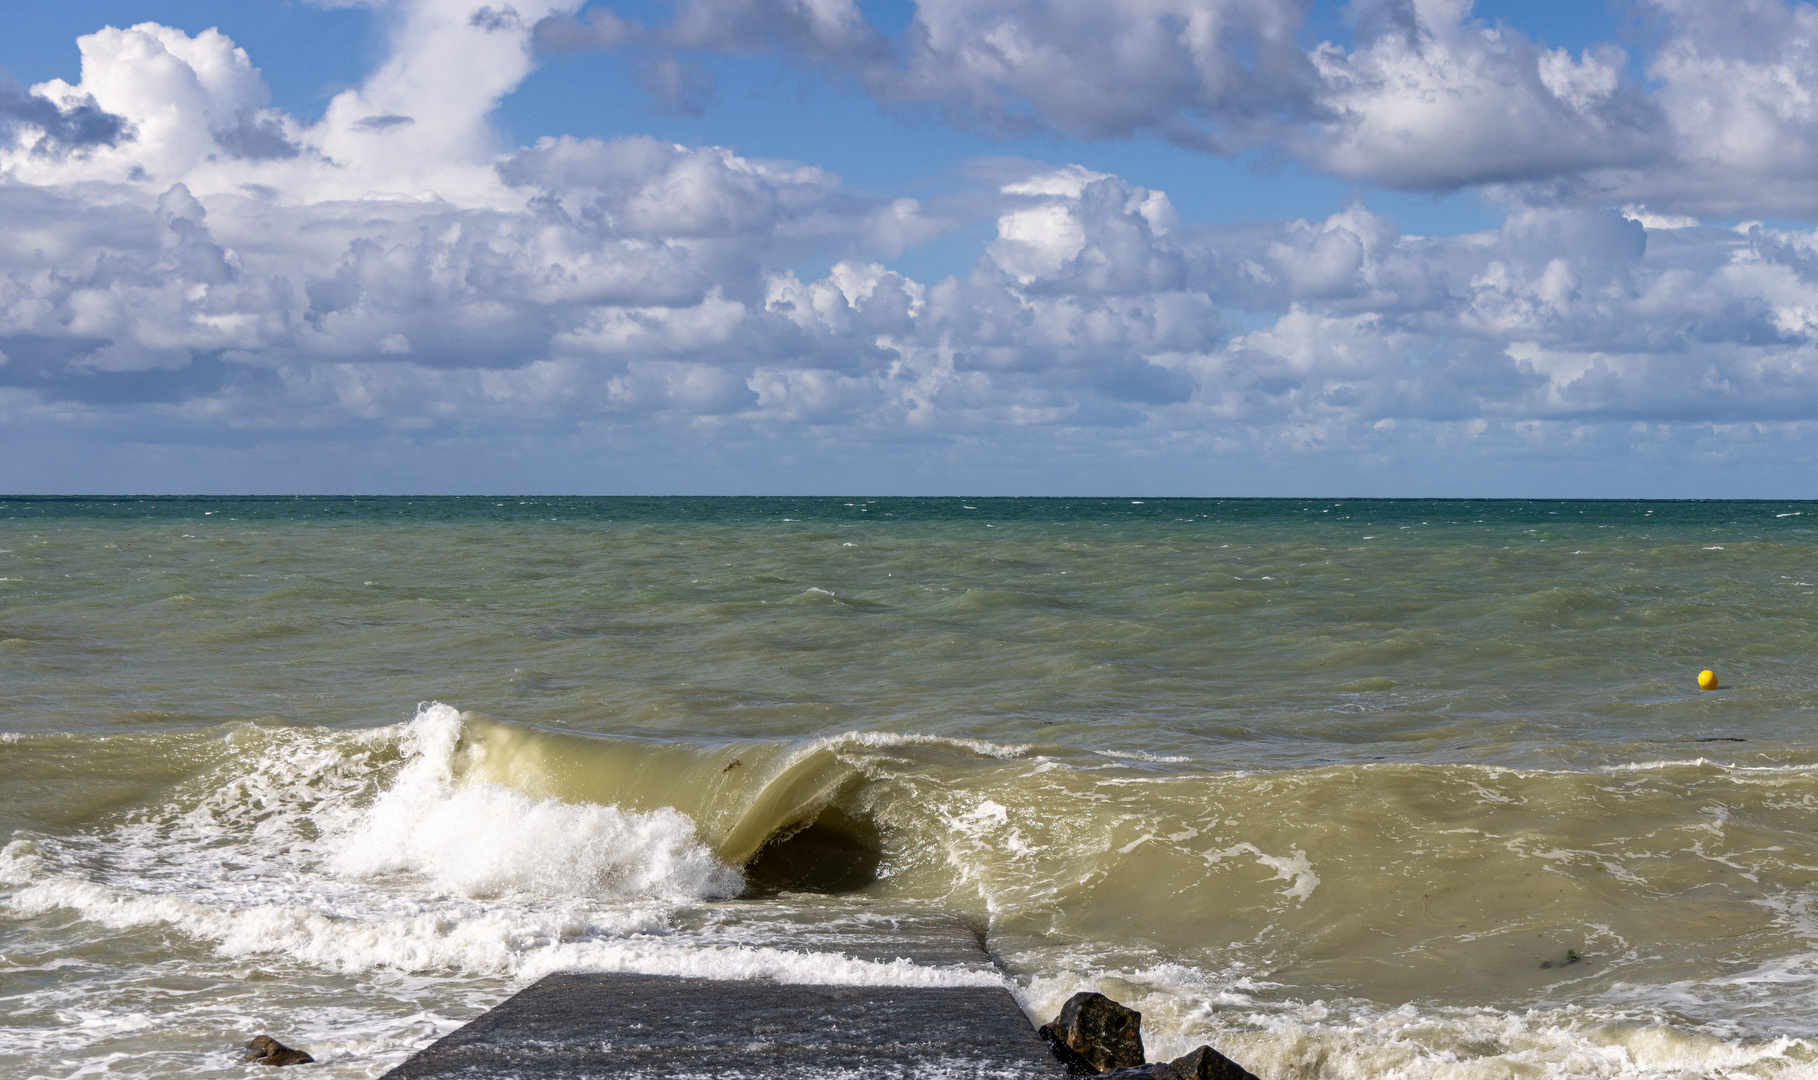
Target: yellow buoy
1707, 679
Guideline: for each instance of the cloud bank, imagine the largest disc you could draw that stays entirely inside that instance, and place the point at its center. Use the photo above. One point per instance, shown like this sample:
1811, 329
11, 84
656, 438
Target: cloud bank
184, 264
1717, 119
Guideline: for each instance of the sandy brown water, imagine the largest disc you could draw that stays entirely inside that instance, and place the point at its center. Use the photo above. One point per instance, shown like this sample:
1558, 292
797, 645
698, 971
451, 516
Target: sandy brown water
1346, 787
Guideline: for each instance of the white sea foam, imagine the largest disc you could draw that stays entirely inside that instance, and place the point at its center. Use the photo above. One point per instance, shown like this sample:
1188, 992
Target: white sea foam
1348, 1039
1294, 867
751, 962
481, 839
1738, 770
1144, 755
346, 858
368, 855
885, 740
523, 941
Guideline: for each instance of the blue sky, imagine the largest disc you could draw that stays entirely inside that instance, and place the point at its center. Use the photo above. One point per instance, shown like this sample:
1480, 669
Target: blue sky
1222, 247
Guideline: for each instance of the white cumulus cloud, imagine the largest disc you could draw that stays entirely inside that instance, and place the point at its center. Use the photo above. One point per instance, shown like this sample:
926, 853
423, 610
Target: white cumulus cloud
183, 264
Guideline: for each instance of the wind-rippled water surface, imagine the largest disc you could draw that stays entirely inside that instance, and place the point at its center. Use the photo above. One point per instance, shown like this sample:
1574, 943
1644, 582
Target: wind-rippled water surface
1344, 787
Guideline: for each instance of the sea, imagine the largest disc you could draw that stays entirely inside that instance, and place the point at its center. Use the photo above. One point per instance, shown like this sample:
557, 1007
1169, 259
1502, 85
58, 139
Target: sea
1345, 788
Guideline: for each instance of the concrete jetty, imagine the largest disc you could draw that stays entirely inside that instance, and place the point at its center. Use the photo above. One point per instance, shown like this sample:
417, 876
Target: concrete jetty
593, 1025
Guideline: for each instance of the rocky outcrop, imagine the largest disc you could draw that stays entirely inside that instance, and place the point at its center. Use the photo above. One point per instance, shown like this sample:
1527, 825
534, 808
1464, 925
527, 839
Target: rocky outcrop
1208, 1064
1107, 1035
1096, 1037
1204, 1063
265, 1050
1076, 1064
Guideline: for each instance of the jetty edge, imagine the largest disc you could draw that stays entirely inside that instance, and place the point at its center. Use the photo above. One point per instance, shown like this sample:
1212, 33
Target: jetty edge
588, 1025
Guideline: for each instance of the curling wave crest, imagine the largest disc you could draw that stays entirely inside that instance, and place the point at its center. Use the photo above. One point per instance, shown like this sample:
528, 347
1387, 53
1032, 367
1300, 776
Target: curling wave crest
388, 849
483, 839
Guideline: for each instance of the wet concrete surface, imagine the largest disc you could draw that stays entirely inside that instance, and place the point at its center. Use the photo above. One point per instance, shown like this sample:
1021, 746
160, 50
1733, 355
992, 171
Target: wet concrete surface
576, 1025
591, 1025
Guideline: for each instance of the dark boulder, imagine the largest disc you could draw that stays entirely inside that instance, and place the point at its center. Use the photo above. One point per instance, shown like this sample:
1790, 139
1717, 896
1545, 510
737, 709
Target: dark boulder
1208, 1064
1204, 1063
265, 1050
1099, 1030
1075, 1062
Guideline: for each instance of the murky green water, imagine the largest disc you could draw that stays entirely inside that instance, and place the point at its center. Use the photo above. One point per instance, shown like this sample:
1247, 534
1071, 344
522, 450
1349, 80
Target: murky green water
1343, 787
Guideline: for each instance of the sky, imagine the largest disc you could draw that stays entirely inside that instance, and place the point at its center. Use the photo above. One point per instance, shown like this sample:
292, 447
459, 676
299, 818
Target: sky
1035, 247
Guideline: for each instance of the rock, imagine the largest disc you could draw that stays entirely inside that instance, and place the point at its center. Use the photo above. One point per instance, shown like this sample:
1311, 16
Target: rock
1104, 1033
1208, 1064
1075, 1063
266, 1050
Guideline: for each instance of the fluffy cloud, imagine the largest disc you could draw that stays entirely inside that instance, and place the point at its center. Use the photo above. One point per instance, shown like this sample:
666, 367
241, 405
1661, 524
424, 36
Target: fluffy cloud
1739, 87
181, 262
1435, 99
393, 236
1563, 315
1208, 73
1215, 74
41, 126
1424, 95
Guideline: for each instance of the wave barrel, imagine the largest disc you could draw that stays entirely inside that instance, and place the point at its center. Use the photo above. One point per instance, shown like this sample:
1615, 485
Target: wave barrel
781, 812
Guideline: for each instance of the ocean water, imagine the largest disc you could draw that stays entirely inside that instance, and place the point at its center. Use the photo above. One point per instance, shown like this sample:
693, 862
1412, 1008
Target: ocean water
1347, 788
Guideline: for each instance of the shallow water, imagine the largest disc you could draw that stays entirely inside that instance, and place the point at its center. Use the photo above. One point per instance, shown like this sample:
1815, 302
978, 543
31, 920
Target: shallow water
1345, 787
